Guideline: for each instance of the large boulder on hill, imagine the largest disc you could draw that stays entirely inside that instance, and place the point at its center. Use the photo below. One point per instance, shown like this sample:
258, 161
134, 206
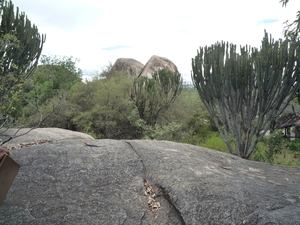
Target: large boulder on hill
146, 182
127, 65
156, 63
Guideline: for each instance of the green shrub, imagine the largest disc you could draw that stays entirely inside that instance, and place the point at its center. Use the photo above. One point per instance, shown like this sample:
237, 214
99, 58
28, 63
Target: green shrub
167, 132
277, 149
88, 129
275, 144
294, 146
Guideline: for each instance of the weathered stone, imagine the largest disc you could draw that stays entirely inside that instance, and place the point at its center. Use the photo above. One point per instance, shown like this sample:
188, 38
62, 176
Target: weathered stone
156, 63
146, 182
25, 136
127, 65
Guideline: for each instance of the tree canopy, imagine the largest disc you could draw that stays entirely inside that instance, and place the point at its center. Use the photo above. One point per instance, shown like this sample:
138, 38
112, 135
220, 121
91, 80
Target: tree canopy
46, 91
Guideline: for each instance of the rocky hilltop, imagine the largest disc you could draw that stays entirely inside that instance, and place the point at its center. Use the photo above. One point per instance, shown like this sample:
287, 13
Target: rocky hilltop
156, 63
135, 68
75, 179
130, 66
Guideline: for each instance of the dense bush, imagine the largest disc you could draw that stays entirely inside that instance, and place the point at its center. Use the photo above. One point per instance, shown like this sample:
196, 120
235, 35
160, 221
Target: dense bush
103, 108
43, 99
271, 146
294, 146
278, 149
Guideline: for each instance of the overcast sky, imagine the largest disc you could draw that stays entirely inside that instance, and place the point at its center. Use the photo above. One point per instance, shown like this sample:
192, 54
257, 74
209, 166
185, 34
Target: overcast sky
100, 31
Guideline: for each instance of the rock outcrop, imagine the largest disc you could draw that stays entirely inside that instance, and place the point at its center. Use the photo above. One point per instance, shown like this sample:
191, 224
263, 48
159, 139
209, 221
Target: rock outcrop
156, 63
127, 65
135, 68
145, 182
26, 136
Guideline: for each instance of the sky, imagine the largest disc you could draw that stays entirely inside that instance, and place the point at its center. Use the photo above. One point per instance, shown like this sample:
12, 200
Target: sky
98, 32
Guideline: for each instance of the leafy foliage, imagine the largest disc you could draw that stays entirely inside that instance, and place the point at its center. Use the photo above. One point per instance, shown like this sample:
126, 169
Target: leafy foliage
292, 29
47, 89
294, 146
109, 107
275, 142
170, 131
54, 74
105, 105
277, 149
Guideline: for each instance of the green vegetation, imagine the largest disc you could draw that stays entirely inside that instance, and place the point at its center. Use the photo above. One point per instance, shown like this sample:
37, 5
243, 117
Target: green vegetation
278, 149
244, 91
102, 107
124, 107
153, 96
241, 94
106, 108
46, 92
292, 29
20, 48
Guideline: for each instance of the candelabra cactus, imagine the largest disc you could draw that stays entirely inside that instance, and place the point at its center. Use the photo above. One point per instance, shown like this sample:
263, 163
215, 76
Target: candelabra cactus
245, 91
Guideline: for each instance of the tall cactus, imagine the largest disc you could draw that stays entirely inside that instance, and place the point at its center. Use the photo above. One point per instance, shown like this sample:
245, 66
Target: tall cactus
21, 46
245, 91
154, 95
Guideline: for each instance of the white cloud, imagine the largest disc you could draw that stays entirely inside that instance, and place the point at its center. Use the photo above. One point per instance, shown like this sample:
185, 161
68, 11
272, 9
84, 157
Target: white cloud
174, 29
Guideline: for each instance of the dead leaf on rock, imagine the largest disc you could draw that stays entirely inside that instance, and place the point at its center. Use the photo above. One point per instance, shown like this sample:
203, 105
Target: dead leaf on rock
151, 193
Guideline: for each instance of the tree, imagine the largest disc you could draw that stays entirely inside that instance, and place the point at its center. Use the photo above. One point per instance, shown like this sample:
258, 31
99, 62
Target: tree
54, 74
21, 46
102, 108
154, 95
292, 29
244, 92
291, 32
47, 90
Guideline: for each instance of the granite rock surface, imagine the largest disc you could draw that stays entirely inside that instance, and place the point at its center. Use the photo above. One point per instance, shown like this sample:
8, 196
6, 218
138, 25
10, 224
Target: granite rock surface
132, 182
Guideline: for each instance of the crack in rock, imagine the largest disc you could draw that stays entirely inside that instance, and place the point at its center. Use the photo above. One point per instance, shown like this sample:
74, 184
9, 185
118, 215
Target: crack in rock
154, 191
141, 159
165, 194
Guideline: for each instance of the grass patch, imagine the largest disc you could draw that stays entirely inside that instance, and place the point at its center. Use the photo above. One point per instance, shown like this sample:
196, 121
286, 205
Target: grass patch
215, 142
287, 158
274, 149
